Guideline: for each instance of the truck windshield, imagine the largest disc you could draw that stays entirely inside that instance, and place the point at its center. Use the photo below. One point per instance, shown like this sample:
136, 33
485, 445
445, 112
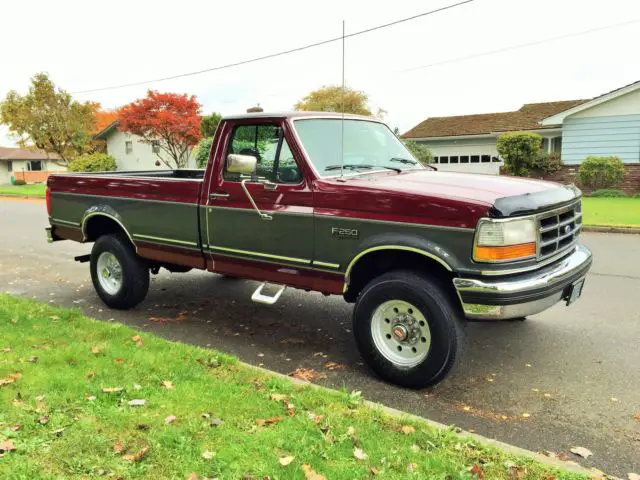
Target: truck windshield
370, 145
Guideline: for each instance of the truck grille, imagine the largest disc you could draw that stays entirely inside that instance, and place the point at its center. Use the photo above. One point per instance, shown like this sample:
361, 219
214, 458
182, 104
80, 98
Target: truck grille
558, 229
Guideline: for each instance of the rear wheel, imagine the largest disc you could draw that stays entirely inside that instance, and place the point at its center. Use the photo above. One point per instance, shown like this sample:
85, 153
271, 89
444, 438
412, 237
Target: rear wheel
119, 276
407, 329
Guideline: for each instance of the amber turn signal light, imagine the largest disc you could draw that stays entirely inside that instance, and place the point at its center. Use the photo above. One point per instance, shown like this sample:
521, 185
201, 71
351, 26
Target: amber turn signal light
509, 252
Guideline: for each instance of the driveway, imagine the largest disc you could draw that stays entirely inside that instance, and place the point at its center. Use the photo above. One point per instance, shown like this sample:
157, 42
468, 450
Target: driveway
574, 371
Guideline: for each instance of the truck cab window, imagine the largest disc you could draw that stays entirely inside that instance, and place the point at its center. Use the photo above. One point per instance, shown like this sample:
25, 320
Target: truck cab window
267, 144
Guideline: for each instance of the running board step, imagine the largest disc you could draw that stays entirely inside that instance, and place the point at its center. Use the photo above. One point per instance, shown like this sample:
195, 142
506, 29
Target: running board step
258, 296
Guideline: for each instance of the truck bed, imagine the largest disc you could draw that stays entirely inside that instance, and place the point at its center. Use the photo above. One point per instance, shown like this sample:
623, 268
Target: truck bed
158, 210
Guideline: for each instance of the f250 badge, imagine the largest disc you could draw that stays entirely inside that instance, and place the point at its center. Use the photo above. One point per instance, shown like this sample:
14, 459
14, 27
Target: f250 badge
345, 232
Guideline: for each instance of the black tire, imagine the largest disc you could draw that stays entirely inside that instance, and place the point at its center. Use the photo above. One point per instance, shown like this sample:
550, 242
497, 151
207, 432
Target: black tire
442, 317
135, 272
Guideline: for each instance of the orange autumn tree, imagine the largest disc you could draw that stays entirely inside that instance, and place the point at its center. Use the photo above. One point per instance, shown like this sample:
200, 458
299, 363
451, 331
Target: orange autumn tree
167, 120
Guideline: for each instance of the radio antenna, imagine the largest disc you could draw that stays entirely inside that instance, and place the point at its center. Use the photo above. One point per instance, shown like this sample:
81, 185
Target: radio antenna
342, 121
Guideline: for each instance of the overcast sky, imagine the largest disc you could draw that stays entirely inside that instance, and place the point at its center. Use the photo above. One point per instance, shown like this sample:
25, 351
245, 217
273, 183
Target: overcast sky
85, 45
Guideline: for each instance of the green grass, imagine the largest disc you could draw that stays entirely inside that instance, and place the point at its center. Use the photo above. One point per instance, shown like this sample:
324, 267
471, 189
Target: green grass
32, 190
617, 212
65, 360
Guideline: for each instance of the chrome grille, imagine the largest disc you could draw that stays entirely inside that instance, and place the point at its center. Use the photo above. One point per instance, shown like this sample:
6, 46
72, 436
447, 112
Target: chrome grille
558, 229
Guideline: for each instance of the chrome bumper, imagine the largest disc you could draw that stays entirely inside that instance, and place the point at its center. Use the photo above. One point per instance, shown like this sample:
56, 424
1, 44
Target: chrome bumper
524, 294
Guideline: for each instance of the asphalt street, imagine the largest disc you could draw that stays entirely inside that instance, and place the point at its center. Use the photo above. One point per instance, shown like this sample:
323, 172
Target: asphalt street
567, 377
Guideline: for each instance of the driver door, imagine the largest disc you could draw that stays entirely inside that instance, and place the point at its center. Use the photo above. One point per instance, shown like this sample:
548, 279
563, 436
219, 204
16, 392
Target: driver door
235, 229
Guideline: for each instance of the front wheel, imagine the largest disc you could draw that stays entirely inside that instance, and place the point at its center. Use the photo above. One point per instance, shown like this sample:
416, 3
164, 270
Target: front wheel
119, 276
407, 329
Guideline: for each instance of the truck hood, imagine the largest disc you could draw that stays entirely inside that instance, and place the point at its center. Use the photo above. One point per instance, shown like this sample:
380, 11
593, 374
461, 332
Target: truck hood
505, 195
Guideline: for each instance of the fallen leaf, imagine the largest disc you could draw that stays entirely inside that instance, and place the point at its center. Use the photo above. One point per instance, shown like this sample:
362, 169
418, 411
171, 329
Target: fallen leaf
315, 418
207, 455
54, 317
16, 428
119, 360
334, 366
477, 471
59, 431
170, 419
43, 420
95, 350
547, 395
137, 456
7, 446
466, 409
311, 474
581, 451
193, 476
284, 461
137, 403
118, 447
408, 429
633, 476
374, 471
515, 472
91, 375
6, 350
291, 341
136, 338
526, 415
112, 389
278, 397
351, 431
33, 359
166, 384
182, 316
291, 409
137, 386
160, 319
91, 398
415, 448
10, 379
307, 374
268, 421
636, 416
216, 422
613, 399
411, 467
359, 454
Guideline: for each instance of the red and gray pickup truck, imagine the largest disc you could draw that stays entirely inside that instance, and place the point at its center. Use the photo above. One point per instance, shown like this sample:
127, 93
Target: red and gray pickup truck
336, 205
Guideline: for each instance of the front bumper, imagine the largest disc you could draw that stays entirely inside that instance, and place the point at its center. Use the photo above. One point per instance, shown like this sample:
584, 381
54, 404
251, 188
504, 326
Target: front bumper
523, 294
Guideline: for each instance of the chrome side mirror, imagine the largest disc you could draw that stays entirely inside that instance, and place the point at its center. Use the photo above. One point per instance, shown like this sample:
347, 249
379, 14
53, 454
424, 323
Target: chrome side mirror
243, 164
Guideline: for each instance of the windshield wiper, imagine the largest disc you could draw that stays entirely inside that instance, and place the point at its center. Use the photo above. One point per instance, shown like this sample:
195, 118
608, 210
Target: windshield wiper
406, 161
366, 166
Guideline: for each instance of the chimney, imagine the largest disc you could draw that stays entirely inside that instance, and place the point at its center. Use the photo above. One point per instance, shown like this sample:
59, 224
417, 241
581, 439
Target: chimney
255, 109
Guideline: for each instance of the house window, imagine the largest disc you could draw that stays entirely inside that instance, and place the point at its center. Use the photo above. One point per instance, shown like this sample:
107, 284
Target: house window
34, 165
475, 158
495, 159
556, 145
453, 159
10, 166
485, 158
444, 160
155, 146
544, 145
128, 146
464, 159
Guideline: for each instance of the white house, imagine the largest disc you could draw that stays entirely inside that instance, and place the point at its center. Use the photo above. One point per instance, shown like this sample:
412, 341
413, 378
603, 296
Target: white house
605, 125
32, 166
131, 153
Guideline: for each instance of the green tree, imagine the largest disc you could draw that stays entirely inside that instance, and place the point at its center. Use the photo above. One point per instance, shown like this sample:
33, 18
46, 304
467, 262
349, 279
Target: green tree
330, 99
519, 151
202, 153
209, 124
93, 162
420, 151
49, 119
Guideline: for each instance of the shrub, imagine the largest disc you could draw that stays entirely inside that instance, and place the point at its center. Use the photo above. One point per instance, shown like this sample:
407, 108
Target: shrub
601, 172
547, 163
93, 162
519, 151
608, 193
202, 154
420, 151
19, 182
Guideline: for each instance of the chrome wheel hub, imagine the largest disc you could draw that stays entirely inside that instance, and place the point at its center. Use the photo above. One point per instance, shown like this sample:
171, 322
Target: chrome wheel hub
401, 333
109, 273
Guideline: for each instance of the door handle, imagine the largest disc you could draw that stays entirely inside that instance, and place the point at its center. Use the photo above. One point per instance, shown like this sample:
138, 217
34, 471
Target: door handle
218, 195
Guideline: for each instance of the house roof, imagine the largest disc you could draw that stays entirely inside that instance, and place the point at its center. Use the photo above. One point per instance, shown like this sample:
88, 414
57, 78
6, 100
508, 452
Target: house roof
526, 118
102, 134
14, 153
559, 117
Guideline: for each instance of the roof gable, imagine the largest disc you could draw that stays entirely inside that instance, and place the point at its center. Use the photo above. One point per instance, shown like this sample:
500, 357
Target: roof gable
526, 118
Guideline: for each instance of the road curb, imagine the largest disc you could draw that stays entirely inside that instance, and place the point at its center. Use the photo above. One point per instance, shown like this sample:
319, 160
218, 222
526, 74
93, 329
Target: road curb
512, 449
605, 229
4, 196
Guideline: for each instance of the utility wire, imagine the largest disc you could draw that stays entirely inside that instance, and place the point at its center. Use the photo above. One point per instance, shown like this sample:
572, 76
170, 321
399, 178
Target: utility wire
277, 54
521, 45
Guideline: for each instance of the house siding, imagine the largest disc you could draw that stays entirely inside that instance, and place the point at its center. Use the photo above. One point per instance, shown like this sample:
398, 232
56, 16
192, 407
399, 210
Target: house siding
140, 158
617, 135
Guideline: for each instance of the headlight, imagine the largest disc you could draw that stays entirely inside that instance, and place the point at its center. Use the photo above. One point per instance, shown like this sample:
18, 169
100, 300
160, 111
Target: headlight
504, 240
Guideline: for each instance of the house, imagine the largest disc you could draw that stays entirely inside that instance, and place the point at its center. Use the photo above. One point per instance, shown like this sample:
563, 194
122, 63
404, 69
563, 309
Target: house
605, 125
131, 153
32, 166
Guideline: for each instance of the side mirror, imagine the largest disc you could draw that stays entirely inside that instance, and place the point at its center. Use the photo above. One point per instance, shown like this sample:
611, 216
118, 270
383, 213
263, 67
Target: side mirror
243, 164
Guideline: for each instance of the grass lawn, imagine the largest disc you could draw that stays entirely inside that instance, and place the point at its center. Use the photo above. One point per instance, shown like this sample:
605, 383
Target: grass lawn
33, 190
619, 212
69, 385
